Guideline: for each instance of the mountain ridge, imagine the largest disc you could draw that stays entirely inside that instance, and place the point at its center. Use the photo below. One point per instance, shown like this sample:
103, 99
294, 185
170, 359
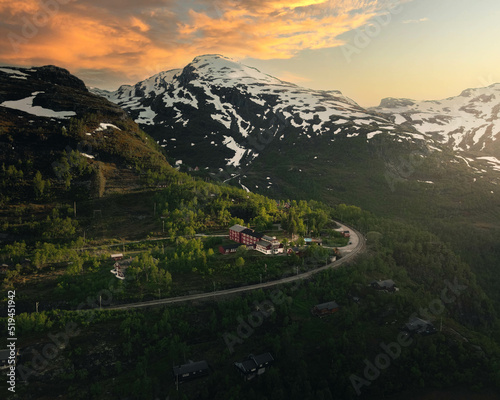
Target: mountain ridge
211, 113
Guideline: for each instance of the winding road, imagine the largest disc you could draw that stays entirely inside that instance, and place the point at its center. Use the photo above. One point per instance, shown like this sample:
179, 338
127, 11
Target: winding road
357, 245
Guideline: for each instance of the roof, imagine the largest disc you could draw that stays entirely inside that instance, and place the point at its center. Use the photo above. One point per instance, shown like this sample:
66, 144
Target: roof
190, 367
417, 324
331, 305
262, 359
387, 283
254, 362
238, 228
252, 233
263, 243
268, 238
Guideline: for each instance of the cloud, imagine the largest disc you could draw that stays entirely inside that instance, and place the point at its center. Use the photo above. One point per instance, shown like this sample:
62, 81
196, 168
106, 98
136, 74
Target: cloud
132, 39
415, 21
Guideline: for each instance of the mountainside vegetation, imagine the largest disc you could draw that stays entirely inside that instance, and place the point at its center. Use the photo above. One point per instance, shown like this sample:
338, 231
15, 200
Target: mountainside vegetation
76, 190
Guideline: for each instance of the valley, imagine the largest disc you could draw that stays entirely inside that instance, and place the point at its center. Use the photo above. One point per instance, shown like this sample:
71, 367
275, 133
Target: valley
158, 172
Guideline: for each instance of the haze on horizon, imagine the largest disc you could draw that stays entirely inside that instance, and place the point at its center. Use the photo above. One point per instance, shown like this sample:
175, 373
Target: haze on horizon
368, 49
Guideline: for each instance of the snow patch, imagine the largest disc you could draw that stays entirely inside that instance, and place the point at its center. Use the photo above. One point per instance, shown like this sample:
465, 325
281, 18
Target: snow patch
26, 105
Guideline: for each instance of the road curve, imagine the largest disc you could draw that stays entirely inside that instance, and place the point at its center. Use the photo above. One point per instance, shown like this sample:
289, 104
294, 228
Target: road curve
349, 252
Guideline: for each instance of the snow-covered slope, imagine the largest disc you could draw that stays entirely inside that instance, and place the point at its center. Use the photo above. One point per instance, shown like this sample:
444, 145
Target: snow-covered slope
217, 112
468, 122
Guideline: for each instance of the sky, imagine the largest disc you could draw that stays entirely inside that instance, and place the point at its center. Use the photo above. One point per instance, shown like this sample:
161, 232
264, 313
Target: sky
368, 49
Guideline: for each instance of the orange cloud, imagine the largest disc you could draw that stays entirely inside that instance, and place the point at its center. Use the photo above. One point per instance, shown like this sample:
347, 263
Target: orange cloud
135, 39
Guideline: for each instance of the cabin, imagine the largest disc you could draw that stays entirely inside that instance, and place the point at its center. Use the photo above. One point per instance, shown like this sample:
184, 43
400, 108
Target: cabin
117, 256
325, 309
294, 250
231, 248
253, 366
418, 325
388, 285
190, 371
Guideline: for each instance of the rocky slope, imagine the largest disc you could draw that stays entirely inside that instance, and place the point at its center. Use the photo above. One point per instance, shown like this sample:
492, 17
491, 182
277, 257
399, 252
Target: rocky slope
218, 113
50, 123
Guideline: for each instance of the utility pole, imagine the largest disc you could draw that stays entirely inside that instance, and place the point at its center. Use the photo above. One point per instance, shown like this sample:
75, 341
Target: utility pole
100, 298
74, 208
36, 305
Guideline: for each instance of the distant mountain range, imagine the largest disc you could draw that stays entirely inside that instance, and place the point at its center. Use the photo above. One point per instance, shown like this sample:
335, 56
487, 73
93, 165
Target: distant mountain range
236, 124
468, 123
217, 113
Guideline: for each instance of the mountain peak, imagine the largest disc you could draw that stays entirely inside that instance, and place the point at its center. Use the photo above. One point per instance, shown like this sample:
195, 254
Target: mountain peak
392, 102
224, 71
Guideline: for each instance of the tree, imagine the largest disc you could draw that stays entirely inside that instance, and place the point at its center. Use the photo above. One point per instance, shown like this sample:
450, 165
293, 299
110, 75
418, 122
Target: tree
241, 250
240, 262
99, 182
38, 185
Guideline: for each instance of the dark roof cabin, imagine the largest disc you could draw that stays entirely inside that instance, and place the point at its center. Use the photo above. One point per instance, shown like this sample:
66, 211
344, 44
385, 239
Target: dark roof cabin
387, 285
191, 370
254, 365
323, 309
231, 248
418, 325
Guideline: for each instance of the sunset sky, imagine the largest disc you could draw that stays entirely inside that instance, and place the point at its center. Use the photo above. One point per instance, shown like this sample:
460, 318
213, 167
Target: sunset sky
368, 49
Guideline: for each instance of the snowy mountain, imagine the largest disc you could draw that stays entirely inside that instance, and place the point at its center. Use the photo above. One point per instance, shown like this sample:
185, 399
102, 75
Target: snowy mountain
468, 124
216, 112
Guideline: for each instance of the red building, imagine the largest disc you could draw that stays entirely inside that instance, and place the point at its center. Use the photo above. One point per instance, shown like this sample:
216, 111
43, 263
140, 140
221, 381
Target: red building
244, 235
235, 233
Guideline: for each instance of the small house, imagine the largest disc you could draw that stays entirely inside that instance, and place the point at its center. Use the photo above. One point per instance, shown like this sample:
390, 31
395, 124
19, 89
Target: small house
117, 256
254, 365
324, 309
418, 325
231, 248
388, 285
190, 371
294, 250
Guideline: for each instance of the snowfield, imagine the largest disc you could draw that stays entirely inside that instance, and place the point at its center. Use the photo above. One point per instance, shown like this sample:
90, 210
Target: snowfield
26, 105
